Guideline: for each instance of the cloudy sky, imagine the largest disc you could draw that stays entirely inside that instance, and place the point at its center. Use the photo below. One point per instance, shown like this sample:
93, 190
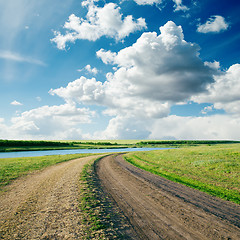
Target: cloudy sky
129, 69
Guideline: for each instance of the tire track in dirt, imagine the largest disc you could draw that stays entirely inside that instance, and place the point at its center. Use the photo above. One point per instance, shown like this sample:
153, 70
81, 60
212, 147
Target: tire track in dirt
155, 212
44, 205
220, 208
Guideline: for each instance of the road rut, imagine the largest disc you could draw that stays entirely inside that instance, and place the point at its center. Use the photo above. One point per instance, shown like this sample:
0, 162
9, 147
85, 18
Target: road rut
160, 209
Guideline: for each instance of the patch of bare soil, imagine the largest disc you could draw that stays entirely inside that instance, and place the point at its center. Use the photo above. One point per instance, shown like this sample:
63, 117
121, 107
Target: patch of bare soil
44, 205
157, 208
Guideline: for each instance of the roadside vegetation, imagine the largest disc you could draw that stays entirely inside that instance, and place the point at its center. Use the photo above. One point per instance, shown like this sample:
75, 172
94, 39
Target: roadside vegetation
12, 168
214, 169
101, 219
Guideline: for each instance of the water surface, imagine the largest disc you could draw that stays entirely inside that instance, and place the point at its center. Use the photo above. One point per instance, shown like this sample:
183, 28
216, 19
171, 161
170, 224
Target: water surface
71, 151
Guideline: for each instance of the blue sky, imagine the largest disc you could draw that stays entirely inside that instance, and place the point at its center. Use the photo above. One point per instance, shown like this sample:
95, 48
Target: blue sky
134, 69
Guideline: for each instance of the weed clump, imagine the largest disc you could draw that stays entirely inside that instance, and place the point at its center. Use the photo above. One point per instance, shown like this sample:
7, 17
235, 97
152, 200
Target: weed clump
101, 219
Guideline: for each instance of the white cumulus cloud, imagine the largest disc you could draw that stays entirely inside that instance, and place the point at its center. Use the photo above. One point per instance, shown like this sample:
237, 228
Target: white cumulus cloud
224, 91
48, 122
100, 21
214, 65
178, 5
214, 24
89, 69
16, 103
154, 73
159, 67
122, 127
172, 127
148, 2
207, 109
212, 127
151, 75
82, 90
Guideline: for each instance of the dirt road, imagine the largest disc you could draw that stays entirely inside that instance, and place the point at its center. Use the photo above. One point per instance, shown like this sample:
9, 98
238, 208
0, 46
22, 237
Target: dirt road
160, 209
44, 205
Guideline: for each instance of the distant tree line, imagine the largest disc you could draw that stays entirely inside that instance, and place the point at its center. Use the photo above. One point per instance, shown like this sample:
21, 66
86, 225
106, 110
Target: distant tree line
96, 143
28, 143
187, 142
22, 143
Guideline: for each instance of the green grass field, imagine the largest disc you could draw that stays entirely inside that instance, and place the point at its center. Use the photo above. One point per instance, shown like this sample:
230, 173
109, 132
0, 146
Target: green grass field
12, 168
213, 169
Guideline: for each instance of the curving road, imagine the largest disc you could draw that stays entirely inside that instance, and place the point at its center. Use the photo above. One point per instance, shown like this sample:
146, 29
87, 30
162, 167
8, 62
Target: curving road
157, 208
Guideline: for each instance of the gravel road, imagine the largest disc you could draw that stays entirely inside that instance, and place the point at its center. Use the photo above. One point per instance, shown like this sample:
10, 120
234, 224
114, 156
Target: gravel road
160, 209
44, 205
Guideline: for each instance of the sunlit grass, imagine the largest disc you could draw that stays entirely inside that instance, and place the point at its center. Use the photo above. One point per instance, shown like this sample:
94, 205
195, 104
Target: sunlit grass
214, 169
99, 217
12, 168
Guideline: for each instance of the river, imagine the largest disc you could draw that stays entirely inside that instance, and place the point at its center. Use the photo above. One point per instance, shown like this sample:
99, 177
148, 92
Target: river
71, 151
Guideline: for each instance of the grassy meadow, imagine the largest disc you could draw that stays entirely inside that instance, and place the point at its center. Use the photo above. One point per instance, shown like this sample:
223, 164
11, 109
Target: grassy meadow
12, 168
214, 169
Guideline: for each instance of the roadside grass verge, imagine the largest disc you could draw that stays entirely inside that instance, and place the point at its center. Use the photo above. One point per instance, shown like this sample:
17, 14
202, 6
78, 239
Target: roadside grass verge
12, 168
212, 169
101, 219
